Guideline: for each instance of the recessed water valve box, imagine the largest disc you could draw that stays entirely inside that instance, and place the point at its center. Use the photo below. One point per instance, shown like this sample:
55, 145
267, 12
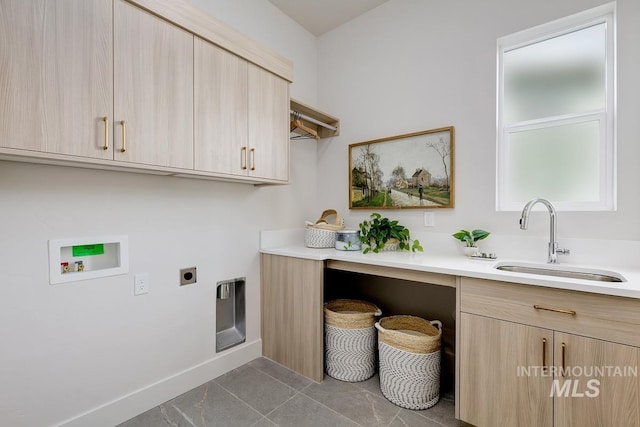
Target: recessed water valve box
89, 257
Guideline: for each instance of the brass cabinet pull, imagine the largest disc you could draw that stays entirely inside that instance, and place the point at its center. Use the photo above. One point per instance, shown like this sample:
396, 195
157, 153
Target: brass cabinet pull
544, 353
564, 350
124, 137
556, 310
106, 133
243, 158
253, 159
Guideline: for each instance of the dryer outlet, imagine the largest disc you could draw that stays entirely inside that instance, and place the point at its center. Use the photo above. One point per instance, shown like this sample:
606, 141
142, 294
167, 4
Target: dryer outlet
187, 276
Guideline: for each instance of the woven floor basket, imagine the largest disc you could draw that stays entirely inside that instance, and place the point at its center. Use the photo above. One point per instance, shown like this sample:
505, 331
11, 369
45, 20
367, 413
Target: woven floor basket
350, 339
409, 362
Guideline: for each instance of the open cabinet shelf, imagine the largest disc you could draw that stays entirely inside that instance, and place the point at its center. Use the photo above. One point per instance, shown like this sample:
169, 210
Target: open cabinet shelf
304, 122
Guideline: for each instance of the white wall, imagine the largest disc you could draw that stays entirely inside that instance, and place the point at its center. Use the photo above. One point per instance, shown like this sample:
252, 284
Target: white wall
412, 65
75, 351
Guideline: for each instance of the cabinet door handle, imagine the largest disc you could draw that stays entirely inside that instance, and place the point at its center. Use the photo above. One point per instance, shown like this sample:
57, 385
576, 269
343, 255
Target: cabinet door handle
124, 137
555, 310
106, 133
253, 159
564, 350
243, 158
544, 354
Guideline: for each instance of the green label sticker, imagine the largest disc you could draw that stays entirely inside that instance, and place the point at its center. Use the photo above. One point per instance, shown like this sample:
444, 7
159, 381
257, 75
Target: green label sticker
88, 250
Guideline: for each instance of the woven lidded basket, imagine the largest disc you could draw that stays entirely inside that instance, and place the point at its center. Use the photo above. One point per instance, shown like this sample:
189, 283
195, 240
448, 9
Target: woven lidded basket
409, 352
350, 339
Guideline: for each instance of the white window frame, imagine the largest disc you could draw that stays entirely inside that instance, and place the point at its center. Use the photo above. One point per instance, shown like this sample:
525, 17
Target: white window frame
606, 117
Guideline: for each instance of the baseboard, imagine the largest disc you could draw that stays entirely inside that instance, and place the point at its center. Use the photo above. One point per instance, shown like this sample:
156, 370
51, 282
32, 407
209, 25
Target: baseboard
128, 406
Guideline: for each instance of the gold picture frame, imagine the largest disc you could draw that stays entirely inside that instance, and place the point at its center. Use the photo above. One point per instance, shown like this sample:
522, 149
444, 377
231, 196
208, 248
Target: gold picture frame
411, 171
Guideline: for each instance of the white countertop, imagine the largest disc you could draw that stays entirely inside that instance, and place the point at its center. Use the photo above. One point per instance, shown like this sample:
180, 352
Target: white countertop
459, 265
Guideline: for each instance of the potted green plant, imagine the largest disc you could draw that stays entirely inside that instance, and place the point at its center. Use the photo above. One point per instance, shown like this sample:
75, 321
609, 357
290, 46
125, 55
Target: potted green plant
378, 232
469, 238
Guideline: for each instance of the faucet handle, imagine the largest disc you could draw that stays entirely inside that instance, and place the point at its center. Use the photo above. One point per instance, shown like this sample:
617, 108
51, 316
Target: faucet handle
563, 251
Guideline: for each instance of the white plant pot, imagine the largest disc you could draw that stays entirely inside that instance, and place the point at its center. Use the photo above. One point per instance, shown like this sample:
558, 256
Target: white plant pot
470, 251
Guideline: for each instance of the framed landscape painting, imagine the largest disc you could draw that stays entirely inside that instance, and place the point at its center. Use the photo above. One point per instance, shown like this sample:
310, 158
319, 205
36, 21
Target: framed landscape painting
403, 172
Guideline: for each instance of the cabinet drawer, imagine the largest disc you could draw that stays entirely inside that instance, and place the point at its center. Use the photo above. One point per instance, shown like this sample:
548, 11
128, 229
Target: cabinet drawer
610, 318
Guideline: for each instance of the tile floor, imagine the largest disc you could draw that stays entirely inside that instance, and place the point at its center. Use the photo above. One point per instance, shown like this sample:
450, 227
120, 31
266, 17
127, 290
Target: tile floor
263, 393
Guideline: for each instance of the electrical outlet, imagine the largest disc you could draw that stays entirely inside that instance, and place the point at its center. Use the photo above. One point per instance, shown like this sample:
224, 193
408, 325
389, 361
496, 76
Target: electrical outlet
187, 276
141, 284
429, 219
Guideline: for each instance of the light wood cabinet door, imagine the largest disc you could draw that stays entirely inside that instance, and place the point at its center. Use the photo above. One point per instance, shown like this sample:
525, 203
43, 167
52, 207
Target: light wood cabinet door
611, 401
153, 71
56, 79
220, 83
292, 313
495, 388
268, 155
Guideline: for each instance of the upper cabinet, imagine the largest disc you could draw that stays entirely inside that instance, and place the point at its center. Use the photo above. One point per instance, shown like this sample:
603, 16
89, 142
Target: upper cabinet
268, 148
140, 85
153, 109
220, 109
56, 84
241, 116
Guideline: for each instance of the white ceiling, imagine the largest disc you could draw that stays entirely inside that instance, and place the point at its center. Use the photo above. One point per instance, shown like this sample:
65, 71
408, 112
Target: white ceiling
320, 16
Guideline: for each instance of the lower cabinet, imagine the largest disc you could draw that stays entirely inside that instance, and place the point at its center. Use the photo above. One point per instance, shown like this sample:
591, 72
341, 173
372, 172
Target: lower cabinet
541, 374
492, 393
527, 356
606, 398
292, 313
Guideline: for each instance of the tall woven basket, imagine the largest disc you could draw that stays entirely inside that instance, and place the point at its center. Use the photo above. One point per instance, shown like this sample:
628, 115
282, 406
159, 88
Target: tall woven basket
350, 339
409, 351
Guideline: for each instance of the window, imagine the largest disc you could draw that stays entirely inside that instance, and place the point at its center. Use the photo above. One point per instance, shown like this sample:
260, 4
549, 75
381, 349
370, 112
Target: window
556, 114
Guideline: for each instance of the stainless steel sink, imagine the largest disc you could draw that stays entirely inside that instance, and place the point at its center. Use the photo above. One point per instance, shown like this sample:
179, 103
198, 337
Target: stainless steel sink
556, 270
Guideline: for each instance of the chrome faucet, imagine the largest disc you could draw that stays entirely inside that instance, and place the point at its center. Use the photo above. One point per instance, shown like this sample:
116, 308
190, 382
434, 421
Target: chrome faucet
553, 244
